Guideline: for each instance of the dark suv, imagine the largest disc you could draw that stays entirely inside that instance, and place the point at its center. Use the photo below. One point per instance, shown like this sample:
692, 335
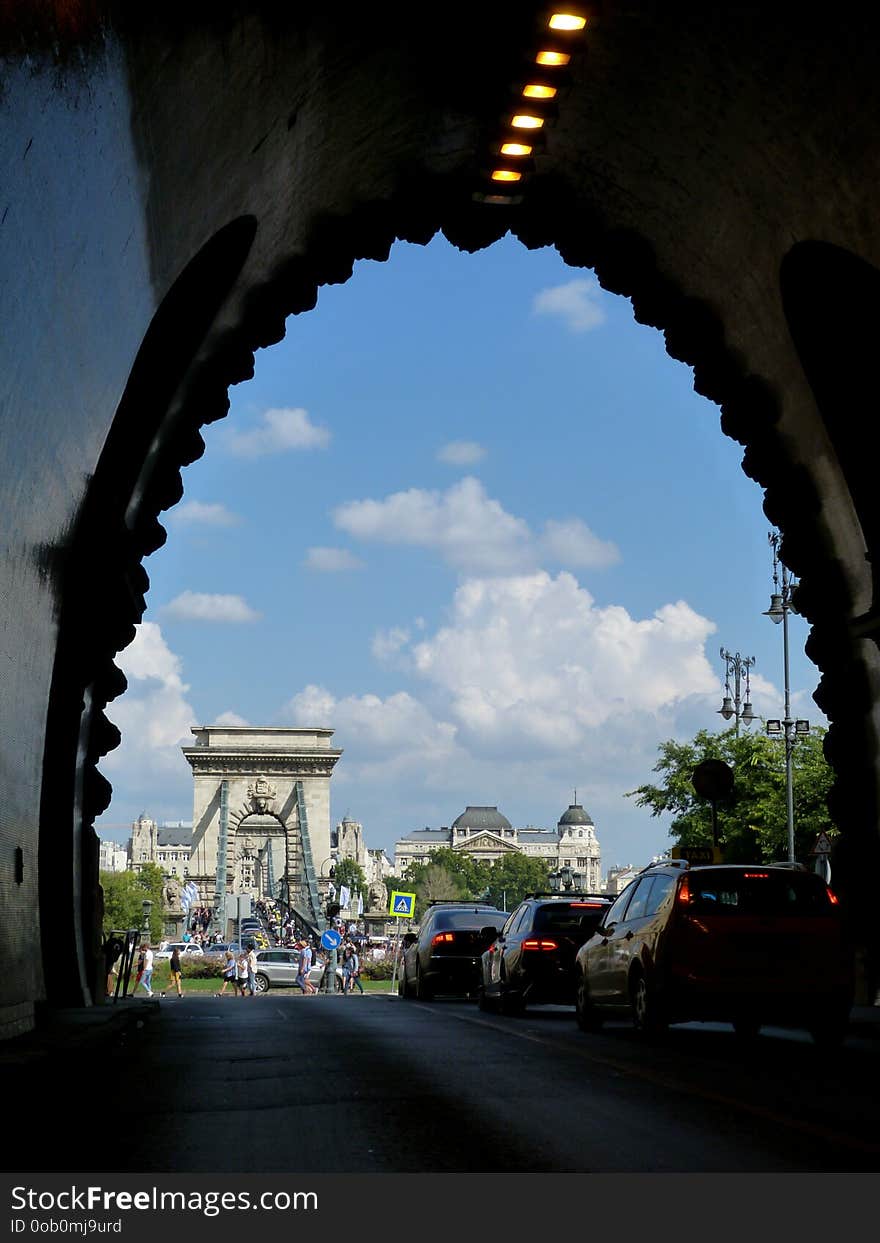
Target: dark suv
444, 956
533, 958
737, 943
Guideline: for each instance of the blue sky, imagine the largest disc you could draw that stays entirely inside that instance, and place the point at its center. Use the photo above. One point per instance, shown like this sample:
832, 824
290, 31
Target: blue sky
470, 515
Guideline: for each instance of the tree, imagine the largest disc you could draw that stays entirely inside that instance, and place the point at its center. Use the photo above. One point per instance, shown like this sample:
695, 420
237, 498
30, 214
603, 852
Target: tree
349, 872
513, 876
753, 823
124, 894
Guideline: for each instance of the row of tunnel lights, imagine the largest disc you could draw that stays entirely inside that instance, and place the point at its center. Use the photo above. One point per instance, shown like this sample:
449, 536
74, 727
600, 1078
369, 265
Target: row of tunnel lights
526, 119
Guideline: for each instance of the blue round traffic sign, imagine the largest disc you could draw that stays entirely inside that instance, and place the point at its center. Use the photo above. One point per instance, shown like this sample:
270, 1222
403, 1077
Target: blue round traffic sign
331, 939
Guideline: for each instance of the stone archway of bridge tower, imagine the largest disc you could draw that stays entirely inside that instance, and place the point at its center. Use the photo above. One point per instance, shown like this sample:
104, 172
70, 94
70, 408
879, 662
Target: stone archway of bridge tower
285, 838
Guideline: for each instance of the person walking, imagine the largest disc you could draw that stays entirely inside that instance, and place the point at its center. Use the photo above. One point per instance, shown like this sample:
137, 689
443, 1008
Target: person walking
147, 977
305, 966
228, 973
349, 964
252, 970
241, 974
355, 980
175, 971
140, 971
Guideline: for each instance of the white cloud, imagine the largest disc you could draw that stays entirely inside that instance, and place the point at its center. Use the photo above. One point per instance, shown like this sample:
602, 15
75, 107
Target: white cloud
531, 659
201, 513
388, 643
155, 719
278, 431
385, 738
573, 543
470, 530
230, 718
461, 453
577, 303
204, 607
332, 560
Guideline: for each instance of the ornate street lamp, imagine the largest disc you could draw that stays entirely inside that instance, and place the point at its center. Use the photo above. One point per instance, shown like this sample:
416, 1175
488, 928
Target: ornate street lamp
733, 706
780, 607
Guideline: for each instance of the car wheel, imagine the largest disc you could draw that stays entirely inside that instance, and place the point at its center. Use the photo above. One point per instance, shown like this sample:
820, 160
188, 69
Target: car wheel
509, 1003
261, 983
423, 990
484, 1001
648, 1018
588, 1017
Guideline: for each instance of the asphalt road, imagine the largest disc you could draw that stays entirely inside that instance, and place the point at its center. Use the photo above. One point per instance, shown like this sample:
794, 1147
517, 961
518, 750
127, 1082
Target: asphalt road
286, 1083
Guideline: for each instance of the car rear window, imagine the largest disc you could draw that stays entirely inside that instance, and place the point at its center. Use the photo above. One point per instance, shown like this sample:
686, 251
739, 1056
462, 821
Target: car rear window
468, 919
569, 919
758, 891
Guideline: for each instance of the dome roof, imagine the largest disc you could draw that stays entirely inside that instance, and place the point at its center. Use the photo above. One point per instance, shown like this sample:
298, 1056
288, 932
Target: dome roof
575, 815
481, 818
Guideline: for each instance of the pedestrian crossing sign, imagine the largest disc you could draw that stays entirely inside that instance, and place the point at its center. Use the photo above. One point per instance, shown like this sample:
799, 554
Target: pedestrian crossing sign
402, 904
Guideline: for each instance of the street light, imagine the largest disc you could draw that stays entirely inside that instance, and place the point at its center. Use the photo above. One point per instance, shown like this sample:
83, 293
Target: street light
730, 706
780, 607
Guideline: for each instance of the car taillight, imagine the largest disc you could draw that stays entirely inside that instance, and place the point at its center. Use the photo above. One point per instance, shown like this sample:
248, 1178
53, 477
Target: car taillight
832, 896
593, 906
756, 875
684, 892
439, 937
534, 944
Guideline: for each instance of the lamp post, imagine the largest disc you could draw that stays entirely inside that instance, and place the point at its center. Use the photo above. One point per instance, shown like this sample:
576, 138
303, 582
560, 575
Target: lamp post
780, 607
147, 908
739, 667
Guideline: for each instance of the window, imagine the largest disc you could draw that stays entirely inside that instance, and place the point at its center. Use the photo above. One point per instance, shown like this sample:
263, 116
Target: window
582, 863
661, 888
615, 915
639, 902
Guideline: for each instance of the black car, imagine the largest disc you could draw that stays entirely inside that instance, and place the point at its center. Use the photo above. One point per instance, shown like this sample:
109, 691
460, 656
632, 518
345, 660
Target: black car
444, 956
533, 958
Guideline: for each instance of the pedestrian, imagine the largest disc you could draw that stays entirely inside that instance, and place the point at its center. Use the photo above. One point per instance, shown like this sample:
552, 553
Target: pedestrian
147, 977
252, 970
241, 974
355, 981
305, 966
140, 971
175, 971
228, 973
349, 964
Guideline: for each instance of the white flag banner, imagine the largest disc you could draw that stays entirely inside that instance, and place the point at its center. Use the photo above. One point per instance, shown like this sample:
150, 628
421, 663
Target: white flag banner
360, 904
344, 896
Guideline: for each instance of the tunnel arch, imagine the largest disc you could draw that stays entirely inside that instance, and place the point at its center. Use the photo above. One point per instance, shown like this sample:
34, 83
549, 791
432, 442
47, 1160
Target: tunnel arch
644, 181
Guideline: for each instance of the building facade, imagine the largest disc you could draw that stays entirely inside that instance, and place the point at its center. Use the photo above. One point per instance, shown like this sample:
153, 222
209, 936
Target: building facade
486, 834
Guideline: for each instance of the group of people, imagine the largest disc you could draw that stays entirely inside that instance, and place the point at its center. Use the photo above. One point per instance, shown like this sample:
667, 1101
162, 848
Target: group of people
241, 973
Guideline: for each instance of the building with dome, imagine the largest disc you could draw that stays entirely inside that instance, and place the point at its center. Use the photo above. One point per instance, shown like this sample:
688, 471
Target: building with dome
487, 835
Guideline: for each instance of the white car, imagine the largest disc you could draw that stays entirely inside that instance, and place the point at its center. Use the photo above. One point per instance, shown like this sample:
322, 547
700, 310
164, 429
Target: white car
185, 947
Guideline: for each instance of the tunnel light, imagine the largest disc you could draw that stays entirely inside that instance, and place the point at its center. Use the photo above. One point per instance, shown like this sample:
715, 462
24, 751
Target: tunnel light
534, 90
525, 120
552, 58
516, 148
567, 21
505, 174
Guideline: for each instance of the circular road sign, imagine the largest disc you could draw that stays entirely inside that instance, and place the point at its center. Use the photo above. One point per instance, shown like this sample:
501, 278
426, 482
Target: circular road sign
713, 779
331, 939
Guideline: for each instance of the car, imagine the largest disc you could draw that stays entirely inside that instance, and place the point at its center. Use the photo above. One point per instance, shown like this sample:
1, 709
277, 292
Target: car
186, 948
532, 959
220, 949
280, 967
746, 944
444, 955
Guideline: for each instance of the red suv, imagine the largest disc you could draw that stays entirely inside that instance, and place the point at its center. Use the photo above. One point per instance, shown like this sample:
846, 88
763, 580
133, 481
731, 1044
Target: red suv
744, 944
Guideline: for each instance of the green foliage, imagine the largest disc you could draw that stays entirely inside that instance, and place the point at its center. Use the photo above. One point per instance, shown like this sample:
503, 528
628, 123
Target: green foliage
378, 969
513, 876
196, 967
752, 824
124, 894
350, 873
455, 874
